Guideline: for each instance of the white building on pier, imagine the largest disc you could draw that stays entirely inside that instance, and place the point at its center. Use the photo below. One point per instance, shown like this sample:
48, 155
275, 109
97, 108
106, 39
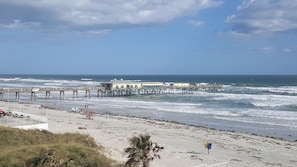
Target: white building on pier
130, 84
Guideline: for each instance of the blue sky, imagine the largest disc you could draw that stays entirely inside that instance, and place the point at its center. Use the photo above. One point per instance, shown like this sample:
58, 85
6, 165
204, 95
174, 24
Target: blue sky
203, 37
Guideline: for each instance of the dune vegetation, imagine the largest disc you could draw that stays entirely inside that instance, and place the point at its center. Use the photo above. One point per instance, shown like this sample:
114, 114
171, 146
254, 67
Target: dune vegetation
35, 148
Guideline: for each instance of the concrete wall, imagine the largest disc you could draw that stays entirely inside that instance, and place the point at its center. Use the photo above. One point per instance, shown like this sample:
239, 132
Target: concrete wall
43, 126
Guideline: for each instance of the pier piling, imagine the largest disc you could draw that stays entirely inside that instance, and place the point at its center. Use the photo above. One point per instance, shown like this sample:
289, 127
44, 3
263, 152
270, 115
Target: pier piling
75, 94
62, 94
47, 94
88, 94
33, 96
17, 96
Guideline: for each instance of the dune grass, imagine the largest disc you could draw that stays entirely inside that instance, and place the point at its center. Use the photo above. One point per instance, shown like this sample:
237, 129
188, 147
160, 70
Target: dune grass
34, 148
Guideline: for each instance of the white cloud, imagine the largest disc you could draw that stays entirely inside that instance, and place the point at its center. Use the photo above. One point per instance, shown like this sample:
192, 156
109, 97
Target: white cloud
264, 17
16, 24
196, 23
103, 14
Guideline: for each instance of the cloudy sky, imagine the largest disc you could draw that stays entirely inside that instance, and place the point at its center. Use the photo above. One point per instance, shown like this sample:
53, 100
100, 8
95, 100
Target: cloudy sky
148, 37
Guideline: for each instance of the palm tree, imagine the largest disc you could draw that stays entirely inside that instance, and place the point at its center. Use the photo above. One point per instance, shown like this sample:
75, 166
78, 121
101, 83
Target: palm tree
141, 151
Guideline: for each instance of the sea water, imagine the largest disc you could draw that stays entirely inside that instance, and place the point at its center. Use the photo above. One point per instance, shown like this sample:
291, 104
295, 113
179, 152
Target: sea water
262, 105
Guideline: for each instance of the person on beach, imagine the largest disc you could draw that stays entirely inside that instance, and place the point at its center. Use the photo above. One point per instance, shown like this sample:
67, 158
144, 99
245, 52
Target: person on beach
89, 114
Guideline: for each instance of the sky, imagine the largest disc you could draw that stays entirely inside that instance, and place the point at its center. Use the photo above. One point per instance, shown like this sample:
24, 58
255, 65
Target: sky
143, 37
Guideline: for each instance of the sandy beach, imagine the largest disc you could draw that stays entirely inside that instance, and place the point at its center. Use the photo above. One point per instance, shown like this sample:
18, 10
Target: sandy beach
184, 145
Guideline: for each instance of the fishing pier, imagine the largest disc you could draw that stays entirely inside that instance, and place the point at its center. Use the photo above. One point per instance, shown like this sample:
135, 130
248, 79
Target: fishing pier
47, 91
115, 88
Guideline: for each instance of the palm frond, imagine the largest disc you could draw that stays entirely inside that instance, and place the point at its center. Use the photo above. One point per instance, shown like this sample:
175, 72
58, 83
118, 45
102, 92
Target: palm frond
142, 150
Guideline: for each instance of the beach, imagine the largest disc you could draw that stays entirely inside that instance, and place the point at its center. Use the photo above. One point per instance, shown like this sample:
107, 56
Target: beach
184, 145
262, 105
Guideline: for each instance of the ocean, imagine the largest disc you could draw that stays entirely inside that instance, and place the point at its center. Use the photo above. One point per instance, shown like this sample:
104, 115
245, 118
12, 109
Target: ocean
261, 105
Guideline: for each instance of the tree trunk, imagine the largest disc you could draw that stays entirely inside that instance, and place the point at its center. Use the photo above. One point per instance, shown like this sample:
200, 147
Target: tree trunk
146, 163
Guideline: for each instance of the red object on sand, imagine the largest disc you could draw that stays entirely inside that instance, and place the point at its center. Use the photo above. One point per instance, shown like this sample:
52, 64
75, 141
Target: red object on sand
2, 113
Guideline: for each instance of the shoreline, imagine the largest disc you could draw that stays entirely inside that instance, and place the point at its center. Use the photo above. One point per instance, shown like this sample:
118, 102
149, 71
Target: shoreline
183, 143
199, 126
290, 138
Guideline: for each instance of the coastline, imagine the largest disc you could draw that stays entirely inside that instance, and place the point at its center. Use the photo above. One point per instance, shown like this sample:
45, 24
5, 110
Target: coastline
184, 144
